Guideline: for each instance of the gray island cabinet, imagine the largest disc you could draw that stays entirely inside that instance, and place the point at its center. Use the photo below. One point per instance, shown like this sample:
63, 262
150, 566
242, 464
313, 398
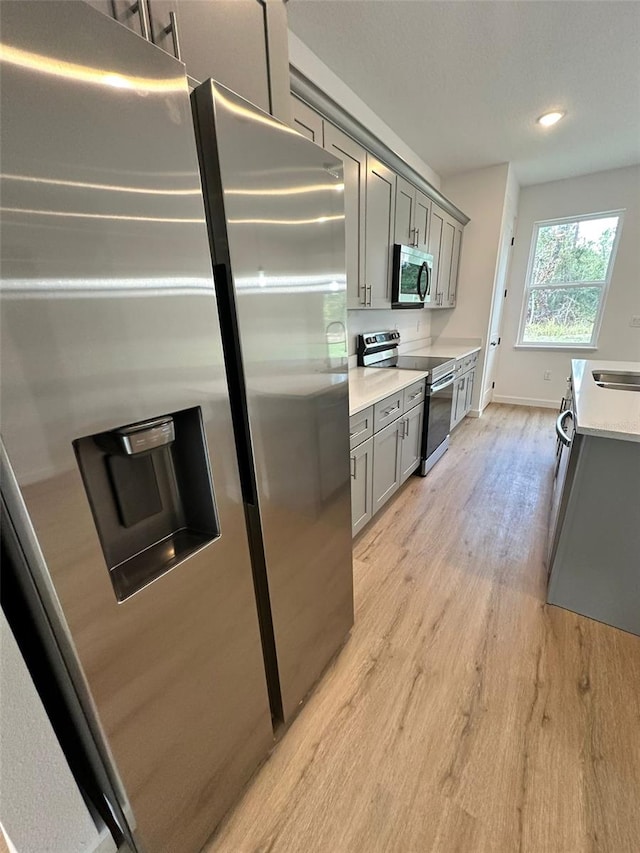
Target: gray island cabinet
594, 553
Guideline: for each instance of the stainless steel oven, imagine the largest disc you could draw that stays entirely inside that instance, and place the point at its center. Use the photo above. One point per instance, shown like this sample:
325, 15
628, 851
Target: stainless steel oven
411, 281
439, 401
380, 349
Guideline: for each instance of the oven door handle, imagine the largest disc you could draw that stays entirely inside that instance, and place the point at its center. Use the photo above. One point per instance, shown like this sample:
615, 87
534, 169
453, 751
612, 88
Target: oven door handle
448, 380
560, 432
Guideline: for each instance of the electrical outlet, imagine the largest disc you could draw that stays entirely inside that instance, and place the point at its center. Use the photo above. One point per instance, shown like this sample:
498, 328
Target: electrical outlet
635, 321
547, 375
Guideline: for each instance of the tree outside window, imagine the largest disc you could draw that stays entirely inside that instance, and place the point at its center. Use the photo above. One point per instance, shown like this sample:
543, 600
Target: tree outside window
569, 271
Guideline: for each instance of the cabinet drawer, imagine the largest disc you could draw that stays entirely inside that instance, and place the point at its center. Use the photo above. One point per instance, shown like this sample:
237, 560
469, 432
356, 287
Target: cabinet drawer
468, 362
360, 427
414, 394
387, 410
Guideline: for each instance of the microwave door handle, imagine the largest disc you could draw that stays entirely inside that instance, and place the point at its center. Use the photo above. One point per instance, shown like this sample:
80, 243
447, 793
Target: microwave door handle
423, 269
428, 290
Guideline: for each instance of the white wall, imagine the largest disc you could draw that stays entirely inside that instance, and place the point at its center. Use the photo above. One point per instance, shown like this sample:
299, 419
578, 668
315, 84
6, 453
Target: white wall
481, 193
309, 64
41, 808
520, 372
412, 325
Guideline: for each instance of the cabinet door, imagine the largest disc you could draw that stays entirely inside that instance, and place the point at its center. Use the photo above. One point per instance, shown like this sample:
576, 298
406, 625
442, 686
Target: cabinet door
387, 450
405, 212
126, 12
307, 121
459, 396
380, 204
436, 227
361, 485
471, 378
354, 158
411, 442
223, 39
455, 265
446, 259
421, 221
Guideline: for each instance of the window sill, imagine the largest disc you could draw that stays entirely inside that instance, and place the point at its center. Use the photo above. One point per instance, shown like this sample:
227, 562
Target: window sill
555, 348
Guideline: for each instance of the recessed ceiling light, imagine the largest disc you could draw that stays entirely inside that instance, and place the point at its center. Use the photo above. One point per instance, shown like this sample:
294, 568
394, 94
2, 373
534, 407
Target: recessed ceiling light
550, 118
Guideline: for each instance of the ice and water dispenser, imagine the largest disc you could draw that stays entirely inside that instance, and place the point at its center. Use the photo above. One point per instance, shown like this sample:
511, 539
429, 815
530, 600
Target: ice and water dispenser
150, 489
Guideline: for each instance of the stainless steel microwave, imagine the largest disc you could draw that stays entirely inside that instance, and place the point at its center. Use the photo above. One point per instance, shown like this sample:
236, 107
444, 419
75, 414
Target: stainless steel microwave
411, 281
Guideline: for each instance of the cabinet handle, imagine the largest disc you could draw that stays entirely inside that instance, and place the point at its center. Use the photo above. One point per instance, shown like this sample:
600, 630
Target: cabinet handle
364, 294
417, 394
354, 467
407, 432
416, 236
390, 411
369, 289
172, 28
138, 8
403, 425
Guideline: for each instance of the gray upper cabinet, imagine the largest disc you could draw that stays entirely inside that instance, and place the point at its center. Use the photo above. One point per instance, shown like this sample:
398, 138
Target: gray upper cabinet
421, 221
379, 232
354, 158
445, 240
413, 212
307, 121
133, 15
455, 265
405, 212
223, 39
241, 43
436, 227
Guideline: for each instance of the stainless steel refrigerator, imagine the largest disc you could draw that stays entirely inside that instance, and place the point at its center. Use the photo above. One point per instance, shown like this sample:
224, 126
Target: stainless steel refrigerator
181, 492
275, 214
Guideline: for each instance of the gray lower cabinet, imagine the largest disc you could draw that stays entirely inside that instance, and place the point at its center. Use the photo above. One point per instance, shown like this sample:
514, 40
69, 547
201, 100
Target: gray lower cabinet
411, 441
361, 485
463, 388
387, 467
386, 445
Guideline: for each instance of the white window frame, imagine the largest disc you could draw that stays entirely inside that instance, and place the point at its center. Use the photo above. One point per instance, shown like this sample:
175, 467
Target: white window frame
603, 285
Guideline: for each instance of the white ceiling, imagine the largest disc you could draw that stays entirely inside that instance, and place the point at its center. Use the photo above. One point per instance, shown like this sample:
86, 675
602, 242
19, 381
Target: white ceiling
463, 82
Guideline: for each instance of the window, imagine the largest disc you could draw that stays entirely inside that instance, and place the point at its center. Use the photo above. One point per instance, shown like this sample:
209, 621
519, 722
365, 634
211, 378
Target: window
569, 270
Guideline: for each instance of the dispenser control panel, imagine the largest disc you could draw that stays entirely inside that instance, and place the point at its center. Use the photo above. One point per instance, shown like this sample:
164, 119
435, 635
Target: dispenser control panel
139, 438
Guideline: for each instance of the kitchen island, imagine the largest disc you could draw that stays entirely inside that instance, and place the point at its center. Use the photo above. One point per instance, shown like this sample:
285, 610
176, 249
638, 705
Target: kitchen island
594, 556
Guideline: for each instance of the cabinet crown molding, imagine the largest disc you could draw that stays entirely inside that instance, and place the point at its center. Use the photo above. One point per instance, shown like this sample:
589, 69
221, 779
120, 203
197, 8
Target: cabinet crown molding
307, 91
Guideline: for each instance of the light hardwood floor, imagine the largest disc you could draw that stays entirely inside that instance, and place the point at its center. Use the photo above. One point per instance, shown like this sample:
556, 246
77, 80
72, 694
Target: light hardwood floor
463, 714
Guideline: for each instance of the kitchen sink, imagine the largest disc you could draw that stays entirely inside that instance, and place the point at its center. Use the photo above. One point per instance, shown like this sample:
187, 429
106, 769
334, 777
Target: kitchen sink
620, 380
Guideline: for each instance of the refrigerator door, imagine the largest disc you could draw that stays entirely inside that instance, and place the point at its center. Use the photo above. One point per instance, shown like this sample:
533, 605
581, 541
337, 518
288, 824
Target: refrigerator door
276, 225
110, 351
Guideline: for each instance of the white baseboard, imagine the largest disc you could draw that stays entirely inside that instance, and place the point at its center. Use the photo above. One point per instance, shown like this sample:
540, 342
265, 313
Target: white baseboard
474, 413
526, 401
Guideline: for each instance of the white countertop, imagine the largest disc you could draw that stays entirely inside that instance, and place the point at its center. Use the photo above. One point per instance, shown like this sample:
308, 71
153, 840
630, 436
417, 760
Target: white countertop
605, 412
448, 348
369, 385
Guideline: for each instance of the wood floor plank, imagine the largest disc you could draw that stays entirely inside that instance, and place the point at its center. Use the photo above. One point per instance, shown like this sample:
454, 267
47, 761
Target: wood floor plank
463, 714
